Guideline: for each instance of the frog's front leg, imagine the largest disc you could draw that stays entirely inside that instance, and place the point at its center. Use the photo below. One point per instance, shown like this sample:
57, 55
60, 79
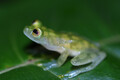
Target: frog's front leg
62, 58
78, 60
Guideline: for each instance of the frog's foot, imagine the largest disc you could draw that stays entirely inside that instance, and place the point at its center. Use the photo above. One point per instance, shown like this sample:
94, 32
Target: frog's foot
90, 67
50, 65
71, 74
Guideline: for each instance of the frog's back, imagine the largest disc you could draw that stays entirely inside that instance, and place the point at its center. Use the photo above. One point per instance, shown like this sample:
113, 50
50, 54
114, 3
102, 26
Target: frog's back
77, 43
69, 41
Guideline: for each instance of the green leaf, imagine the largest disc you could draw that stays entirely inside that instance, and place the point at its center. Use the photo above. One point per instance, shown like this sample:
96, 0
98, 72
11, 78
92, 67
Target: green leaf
95, 20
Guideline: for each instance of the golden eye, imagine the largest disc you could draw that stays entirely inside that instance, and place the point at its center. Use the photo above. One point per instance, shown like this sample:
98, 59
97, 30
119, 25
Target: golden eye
36, 32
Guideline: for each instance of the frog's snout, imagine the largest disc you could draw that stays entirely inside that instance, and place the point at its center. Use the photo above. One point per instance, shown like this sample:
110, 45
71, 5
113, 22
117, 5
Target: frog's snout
26, 31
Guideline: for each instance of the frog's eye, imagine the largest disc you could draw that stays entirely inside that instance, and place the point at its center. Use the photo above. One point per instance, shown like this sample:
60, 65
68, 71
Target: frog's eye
36, 32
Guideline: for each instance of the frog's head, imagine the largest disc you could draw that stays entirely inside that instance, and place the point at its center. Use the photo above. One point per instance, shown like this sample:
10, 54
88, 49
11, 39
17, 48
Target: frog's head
34, 32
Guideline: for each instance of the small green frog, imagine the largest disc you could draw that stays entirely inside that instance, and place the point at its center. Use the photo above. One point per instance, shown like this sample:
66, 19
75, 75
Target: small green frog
82, 51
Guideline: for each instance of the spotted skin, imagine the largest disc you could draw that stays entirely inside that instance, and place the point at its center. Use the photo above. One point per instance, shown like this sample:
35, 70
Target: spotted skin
67, 44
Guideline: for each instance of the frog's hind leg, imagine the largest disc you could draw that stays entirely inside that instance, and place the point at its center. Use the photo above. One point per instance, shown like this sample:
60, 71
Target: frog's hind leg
90, 58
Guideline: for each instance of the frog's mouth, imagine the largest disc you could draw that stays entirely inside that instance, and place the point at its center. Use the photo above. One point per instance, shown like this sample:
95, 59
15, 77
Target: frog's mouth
28, 33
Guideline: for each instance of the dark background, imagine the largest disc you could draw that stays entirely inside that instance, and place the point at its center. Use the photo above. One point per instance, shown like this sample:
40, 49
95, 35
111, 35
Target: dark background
94, 19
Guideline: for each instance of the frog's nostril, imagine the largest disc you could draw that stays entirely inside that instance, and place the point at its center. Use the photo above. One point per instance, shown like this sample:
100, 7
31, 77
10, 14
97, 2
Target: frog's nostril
26, 29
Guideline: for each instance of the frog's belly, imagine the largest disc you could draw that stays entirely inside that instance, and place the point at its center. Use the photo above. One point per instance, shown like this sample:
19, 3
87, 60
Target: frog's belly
62, 49
55, 48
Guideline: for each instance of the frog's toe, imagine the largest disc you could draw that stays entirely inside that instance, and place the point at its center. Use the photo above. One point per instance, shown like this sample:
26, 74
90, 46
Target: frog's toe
47, 68
49, 65
71, 74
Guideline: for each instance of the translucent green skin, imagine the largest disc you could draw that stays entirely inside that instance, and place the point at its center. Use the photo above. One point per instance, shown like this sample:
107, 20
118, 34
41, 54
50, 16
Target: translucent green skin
82, 51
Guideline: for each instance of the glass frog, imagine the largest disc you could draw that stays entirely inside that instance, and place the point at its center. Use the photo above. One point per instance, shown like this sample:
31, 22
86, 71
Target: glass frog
82, 51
